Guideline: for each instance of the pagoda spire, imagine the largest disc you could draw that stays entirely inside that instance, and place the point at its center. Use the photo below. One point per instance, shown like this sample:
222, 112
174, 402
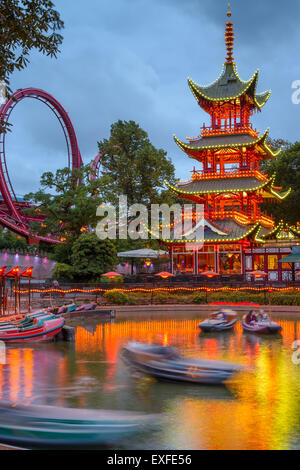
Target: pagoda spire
229, 38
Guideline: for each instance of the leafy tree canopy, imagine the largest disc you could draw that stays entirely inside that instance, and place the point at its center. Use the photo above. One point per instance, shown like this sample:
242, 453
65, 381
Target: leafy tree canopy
287, 169
132, 166
88, 258
27, 25
68, 200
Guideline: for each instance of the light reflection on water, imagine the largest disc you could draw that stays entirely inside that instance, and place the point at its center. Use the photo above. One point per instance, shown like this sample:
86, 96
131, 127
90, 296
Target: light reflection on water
260, 411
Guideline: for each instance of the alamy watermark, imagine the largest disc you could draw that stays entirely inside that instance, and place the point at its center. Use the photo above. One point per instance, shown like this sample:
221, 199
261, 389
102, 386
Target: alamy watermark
3, 94
296, 354
296, 94
158, 221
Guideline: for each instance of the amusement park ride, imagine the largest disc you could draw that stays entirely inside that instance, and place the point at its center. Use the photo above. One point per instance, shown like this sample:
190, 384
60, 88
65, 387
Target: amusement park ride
12, 215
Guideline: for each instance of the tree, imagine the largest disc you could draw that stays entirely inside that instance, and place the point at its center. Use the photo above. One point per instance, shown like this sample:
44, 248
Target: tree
70, 208
287, 169
92, 257
27, 25
132, 166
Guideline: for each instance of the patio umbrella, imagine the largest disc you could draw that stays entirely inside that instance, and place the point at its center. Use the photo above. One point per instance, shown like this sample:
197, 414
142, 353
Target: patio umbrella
111, 275
164, 275
258, 274
143, 253
209, 274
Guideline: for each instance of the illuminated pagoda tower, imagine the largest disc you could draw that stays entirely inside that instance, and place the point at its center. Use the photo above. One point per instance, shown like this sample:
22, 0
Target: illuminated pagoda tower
238, 237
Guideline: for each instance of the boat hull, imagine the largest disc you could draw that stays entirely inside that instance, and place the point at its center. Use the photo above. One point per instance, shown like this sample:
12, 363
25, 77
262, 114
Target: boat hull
177, 368
45, 332
268, 329
53, 427
209, 327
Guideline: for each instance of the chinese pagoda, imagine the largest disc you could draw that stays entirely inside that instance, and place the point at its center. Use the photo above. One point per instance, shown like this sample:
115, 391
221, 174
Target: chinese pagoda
237, 236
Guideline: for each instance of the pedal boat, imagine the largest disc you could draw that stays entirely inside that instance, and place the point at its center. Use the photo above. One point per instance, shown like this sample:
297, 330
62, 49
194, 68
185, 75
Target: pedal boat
265, 326
223, 320
40, 328
38, 426
166, 363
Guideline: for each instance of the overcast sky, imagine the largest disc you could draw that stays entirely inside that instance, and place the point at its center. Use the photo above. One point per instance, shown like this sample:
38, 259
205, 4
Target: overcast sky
130, 59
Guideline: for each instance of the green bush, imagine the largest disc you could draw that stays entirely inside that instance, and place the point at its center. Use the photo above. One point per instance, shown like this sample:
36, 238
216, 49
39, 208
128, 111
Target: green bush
107, 280
133, 300
198, 298
122, 298
117, 298
63, 271
161, 297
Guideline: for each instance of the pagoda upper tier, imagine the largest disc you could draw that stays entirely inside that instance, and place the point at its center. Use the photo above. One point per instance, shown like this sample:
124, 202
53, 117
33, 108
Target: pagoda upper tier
234, 142
229, 88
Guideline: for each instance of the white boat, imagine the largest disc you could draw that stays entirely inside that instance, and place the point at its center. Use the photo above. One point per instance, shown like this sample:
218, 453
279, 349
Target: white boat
223, 320
166, 363
260, 324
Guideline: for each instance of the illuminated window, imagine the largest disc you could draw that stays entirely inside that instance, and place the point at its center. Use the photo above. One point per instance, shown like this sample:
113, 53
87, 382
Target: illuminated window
230, 263
272, 262
183, 264
206, 262
286, 266
259, 262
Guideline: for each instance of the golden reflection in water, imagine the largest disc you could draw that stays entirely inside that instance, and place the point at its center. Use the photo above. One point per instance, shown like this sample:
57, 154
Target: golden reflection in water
28, 372
264, 411
261, 413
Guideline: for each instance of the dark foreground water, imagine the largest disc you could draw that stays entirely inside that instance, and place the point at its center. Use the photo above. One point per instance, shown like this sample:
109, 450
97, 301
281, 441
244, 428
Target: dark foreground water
260, 410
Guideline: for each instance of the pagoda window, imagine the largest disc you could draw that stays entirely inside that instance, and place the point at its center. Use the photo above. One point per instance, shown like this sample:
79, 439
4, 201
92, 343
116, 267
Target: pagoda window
286, 266
230, 259
230, 263
207, 249
183, 263
259, 262
272, 262
206, 262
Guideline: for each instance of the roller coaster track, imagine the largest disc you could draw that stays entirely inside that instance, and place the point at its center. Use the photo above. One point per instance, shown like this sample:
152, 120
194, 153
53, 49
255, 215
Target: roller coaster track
11, 215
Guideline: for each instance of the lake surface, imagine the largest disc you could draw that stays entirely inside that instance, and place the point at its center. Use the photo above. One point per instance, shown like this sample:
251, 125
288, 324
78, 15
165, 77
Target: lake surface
259, 410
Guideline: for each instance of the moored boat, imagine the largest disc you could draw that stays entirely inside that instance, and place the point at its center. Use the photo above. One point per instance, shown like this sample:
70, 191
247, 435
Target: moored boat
223, 320
38, 426
260, 324
166, 363
36, 329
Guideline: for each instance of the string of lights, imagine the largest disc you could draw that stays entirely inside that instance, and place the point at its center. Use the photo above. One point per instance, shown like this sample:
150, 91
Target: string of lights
160, 289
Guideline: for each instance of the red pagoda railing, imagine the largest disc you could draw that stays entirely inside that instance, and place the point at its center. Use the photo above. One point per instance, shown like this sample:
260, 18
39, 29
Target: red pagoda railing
229, 173
224, 130
241, 217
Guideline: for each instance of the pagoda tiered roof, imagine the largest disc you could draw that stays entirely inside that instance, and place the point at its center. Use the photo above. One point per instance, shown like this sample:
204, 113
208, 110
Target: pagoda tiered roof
221, 185
210, 231
197, 148
246, 182
228, 87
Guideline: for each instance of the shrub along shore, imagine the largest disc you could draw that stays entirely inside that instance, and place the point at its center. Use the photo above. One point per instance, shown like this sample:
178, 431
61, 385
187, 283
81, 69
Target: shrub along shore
262, 298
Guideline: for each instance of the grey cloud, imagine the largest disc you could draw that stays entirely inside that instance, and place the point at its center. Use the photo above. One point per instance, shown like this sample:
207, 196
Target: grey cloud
129, 59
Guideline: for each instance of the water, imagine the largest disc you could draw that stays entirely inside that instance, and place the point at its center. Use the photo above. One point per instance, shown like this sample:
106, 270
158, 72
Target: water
260, 410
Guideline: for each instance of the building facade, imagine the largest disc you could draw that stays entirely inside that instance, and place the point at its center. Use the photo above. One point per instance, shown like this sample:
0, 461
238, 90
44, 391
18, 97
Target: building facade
237, 236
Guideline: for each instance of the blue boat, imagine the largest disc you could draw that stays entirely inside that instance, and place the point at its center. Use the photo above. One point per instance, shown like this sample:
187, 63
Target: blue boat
38, 426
